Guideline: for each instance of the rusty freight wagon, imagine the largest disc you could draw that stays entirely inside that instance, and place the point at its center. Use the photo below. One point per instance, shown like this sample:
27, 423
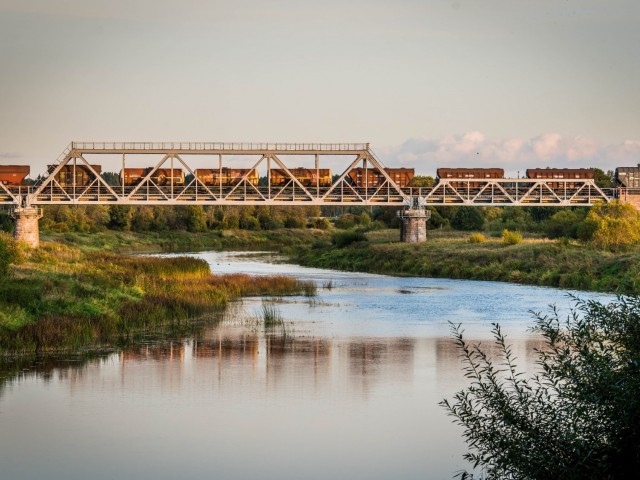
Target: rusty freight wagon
308, 177
373, 178
628, 177
160, 177
562, 174
226, 176
470, 173
13, 174
76, 175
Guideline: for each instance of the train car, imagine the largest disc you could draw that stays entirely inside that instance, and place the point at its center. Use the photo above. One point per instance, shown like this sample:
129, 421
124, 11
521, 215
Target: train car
226, 176
561, 174
628, 177
83, 175
13, 174
373, 178
308, 177
471, 173
161, 177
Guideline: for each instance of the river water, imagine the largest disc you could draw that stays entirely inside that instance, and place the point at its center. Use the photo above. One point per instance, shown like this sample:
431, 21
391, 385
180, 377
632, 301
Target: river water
347, 388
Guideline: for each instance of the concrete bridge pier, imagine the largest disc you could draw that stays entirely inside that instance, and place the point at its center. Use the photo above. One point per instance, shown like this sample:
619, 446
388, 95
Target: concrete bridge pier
26, 227
413, 226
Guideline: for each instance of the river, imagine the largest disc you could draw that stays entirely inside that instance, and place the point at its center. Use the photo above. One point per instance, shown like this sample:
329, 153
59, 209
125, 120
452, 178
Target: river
348, 387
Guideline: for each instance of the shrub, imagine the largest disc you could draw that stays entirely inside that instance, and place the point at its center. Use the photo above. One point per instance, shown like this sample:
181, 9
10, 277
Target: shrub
9, 252
476, 238
343, 239
510, 238
563, 224
579, 417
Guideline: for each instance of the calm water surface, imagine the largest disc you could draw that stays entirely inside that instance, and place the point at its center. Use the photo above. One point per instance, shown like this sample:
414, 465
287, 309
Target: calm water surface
348, 389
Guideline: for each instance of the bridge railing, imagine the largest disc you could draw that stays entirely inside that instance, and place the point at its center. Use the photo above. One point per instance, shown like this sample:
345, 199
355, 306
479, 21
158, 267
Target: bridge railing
200, 146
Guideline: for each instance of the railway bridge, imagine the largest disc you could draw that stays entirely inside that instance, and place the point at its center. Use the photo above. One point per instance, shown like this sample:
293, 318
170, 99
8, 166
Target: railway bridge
201, 173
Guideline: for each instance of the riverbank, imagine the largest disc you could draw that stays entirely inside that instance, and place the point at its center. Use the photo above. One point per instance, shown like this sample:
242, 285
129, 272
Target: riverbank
60, 298
446, 254
542, 262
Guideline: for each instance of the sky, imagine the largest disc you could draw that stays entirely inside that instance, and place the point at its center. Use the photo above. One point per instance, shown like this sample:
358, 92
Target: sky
429, 83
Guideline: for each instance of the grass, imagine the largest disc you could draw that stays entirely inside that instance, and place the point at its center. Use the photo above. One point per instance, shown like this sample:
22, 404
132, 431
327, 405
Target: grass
179, 241
270, 313
563, 264
63, 299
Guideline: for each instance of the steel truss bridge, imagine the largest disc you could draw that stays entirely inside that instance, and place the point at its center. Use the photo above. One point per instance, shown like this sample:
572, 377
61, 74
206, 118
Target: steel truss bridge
265, 156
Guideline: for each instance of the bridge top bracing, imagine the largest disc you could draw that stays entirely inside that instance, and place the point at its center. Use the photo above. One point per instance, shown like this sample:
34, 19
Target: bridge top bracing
232, 148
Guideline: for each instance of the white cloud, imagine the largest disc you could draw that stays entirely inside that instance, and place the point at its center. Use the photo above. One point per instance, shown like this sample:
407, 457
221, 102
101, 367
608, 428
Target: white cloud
473, 149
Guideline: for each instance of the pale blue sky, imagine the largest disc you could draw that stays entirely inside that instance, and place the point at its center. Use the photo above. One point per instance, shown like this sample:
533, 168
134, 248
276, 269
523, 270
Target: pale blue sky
509, 83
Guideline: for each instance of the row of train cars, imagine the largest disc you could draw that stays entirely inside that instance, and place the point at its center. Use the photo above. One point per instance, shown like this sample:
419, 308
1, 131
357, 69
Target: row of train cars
12, 175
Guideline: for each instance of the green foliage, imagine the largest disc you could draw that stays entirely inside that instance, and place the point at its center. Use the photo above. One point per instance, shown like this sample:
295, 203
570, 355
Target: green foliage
577, 418
468, 218
120, 217
515, 218
511, 238
9, 252
477, 238
612, 226
343, 239
422, 181
321, 223
602, 179
564, 223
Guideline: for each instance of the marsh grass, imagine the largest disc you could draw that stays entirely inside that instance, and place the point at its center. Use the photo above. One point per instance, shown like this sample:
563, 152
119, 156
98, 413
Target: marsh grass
271, 315
62, 299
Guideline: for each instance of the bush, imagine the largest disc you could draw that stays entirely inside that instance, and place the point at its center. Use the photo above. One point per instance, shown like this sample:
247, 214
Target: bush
9, 252
579, 418
511, 238
564, 223
476, 238
343, 239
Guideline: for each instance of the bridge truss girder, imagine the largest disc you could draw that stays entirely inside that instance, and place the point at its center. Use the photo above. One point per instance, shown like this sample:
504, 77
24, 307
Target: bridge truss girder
470, 192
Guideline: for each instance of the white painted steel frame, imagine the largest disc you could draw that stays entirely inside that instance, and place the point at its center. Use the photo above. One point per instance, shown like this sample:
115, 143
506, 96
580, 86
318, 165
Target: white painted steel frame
468, 191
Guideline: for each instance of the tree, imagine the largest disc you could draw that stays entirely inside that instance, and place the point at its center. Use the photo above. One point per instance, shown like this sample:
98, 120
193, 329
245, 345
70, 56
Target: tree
422, 181
578, 418
611, 226
602, 179
468, 218
196, 218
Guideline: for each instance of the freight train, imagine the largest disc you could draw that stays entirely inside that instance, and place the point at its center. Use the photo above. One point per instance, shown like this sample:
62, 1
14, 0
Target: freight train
81, 175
